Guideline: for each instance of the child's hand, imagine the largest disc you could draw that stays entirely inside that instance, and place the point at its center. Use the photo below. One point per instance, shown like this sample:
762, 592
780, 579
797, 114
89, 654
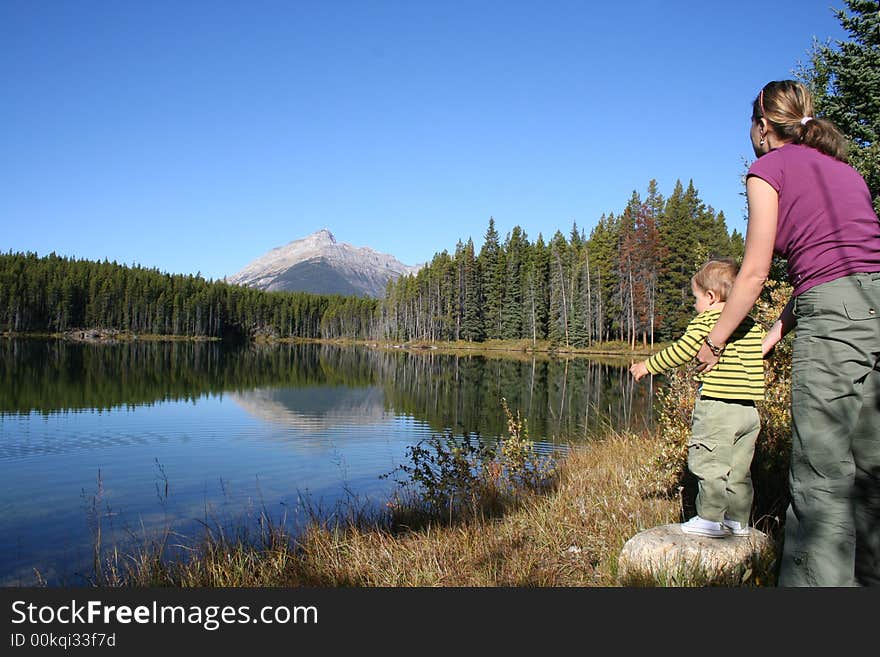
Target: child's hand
638, 370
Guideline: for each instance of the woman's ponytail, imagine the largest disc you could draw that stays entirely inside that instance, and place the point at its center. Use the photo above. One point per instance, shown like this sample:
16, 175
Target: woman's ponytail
824, 136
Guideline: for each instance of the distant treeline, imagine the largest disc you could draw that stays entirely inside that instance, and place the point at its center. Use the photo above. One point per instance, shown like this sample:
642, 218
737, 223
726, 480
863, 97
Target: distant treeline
629, 280
57, 294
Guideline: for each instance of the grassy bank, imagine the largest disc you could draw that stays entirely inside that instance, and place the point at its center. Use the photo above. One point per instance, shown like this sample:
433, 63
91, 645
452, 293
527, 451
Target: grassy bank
503, 348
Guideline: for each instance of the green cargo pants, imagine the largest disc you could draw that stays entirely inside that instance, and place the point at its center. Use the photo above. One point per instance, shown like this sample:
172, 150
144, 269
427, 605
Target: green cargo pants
832, 527
720, 452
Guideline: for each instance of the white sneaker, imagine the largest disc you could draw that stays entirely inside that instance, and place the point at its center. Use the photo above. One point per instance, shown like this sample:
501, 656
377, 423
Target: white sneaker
735, 527
698, 525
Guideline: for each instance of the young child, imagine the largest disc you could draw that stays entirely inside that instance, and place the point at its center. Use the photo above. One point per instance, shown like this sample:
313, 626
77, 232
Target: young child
725, 421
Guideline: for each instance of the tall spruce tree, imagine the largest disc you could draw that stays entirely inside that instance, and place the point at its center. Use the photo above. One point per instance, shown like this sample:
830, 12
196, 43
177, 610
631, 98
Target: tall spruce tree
491, 262
721, 245
655, 254
603, 245
845, 81
627, 266
680, 232
537, 289
512, 310
472, 320
460, 287
737, 245
576, 262
583, 322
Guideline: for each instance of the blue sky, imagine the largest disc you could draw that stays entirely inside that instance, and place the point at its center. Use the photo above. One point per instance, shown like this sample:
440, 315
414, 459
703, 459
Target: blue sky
195, 136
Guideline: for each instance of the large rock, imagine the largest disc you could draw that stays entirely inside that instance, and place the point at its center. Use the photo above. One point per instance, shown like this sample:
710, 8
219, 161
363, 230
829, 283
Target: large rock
668, 556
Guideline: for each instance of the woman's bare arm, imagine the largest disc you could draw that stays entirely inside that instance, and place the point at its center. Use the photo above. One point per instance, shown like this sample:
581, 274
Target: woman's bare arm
760, 236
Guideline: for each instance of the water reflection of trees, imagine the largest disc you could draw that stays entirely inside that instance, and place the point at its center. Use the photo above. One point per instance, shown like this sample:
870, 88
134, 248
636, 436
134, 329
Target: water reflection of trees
47, 376
558, 397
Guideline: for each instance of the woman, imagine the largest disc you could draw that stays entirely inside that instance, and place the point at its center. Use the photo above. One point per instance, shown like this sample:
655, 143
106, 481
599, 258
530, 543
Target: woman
810, 207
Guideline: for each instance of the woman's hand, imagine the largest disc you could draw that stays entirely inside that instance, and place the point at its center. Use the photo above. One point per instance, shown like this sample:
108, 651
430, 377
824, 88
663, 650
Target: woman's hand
706, 360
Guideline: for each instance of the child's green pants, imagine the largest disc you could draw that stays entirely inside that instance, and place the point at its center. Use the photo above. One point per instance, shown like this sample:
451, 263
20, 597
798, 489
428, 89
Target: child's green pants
720, 452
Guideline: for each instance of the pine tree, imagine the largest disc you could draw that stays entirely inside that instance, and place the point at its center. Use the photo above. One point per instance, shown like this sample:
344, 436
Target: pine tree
737, 245
603, 245
460, 288
644, 252
689, 232
577, 312
584, 320
629, 291
512, 311
491, 263
722, 246
845, 81
472, 320
537, 290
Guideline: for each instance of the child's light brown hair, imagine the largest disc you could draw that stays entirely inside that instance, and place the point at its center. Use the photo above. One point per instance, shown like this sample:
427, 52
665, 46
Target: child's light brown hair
717, 276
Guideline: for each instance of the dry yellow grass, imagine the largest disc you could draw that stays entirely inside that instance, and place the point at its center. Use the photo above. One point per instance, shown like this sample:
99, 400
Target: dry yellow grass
568, 537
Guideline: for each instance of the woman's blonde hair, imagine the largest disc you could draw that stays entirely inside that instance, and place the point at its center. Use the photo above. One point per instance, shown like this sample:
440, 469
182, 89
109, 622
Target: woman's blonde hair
787, 105
717, 275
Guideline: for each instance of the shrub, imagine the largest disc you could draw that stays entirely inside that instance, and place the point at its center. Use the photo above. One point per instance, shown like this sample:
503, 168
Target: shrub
448, 477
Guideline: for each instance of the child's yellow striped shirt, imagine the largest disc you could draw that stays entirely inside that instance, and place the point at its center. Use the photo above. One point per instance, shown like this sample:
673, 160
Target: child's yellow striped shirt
739, 373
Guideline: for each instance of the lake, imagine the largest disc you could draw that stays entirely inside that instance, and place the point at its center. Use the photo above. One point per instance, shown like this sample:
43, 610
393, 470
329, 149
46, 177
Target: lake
137, 437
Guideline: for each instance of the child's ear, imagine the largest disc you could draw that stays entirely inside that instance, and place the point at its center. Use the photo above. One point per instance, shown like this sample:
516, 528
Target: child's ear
712, 297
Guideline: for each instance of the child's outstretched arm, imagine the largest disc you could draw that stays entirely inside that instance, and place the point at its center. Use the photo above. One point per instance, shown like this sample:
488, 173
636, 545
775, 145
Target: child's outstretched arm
683, 350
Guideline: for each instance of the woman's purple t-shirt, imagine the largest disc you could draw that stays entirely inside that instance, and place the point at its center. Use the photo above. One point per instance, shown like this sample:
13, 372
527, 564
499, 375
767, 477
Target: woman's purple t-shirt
827, 227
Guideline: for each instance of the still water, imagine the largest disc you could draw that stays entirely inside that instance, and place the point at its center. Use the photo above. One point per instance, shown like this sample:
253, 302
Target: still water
138, 438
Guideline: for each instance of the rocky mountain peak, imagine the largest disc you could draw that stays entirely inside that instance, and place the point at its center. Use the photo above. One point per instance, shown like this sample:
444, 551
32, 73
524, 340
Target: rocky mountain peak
323, 235
319, 264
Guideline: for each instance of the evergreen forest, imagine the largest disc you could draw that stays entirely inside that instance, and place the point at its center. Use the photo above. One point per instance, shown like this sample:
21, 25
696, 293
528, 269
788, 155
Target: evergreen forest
628, 280
56, 294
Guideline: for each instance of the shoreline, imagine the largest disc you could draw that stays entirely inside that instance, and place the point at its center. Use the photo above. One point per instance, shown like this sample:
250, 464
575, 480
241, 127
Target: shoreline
513, 347
106, 336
